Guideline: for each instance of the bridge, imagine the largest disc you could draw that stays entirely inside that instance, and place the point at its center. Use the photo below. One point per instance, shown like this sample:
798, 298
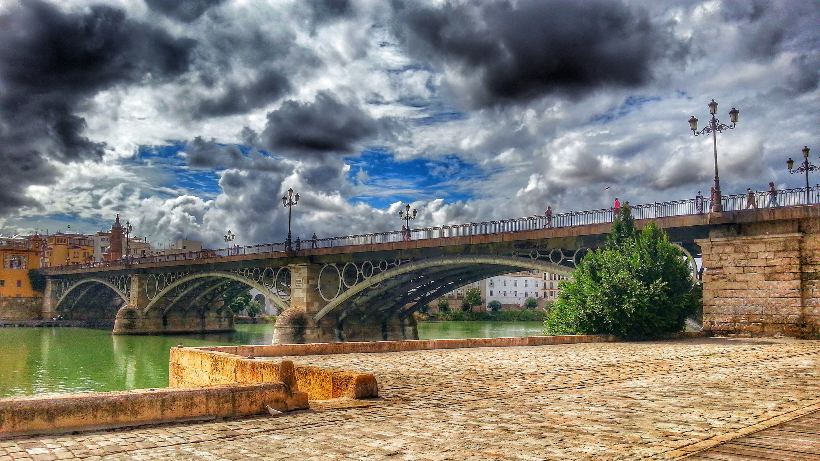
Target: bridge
761, 272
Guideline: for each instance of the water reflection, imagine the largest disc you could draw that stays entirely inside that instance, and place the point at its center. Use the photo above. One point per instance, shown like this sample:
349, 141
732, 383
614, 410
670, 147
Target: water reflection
49, 360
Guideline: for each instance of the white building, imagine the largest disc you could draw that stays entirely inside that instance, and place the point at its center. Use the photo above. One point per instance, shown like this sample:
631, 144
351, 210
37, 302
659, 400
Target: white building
514, 288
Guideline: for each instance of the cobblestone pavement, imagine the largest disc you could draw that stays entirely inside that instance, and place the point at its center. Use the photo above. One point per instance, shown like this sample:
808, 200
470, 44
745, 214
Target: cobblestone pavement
581, 401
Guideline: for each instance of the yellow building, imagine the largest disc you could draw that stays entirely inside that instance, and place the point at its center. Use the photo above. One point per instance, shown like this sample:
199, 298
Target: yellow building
69, 249
18, 256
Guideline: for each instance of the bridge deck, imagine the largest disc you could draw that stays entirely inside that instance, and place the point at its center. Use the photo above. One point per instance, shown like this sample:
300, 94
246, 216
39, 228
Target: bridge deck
674, 224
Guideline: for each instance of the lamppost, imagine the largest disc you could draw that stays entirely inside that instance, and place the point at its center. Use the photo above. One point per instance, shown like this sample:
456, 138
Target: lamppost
289, 201
128, 228
805, 167
229, 237
714, 127
406, 216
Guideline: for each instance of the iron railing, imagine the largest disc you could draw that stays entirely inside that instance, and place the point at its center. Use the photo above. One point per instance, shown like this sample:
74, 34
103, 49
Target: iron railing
692, 206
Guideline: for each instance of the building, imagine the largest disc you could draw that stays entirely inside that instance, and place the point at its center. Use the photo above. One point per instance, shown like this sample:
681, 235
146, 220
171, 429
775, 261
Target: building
511, 289
68, 249
18, 256
180, 247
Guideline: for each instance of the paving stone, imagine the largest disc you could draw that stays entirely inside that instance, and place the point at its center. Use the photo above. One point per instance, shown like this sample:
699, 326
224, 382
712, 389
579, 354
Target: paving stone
580, 401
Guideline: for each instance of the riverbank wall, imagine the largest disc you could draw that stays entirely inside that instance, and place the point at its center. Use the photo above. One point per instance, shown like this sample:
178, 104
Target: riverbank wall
21, 308
106, 410
204, 366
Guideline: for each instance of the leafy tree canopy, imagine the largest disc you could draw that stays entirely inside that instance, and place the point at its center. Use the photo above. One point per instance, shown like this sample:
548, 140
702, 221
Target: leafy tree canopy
636, 287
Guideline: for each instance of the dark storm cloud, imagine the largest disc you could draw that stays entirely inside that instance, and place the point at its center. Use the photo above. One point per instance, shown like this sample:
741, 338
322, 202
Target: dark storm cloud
513, 51
329, 10
202, 154
182, 10
50, 63
324, 126
267, 87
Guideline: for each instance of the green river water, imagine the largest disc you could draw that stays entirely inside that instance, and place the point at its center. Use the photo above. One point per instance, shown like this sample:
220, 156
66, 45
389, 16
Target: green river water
57, 360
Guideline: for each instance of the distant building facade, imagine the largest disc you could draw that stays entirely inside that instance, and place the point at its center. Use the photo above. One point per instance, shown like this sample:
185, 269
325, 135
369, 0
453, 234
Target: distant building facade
511, 290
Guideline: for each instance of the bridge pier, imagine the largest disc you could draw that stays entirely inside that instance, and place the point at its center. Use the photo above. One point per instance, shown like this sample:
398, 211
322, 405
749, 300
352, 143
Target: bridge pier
134, 318
298, 324
762, 278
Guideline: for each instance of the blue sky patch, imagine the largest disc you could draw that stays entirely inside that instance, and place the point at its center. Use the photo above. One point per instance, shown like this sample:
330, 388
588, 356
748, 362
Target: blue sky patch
379, 179
203, 183
630, 104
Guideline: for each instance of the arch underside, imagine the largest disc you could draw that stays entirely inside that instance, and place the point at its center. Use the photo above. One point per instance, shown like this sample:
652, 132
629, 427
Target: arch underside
404, 289
91, 300
206, 291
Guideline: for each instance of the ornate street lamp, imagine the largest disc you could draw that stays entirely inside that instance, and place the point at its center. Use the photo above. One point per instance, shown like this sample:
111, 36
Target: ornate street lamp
804, 167
229, 237
714, 127
407, 216
289, 200
128, 228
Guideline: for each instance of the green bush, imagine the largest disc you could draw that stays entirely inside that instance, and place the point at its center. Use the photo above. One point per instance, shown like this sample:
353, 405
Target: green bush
494, 306
636, 287
531, 303
535, 315
443, 305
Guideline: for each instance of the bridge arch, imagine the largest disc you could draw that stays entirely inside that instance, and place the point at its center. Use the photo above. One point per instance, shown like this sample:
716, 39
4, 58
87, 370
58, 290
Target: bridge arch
440, 266
219, 277
73, 288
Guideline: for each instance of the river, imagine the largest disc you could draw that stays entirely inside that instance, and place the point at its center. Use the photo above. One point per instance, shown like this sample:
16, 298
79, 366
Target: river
59, 360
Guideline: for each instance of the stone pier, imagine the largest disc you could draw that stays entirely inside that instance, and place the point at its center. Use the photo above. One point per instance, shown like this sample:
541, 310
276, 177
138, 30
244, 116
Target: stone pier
297, 324
762, 278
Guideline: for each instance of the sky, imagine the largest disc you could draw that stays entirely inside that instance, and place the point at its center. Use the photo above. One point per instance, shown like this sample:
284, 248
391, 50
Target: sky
192, 118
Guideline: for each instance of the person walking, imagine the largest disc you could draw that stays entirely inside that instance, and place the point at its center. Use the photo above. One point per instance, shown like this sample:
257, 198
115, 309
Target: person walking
403, 233
616, 206
314, 241
772, 196
750, 199
548, 215
699, 202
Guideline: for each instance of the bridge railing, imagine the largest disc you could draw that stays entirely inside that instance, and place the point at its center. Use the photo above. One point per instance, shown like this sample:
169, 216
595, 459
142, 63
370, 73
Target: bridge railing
691, 206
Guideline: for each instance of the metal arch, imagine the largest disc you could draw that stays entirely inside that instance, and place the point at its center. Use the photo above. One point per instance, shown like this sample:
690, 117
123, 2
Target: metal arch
183, 293
511, 261
690, 259
91, 280
208, 290
227, 275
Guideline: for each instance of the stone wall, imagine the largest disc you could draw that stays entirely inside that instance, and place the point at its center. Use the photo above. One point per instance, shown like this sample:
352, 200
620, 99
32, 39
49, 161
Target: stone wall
21, 308
197, 367
762, 279
103, 410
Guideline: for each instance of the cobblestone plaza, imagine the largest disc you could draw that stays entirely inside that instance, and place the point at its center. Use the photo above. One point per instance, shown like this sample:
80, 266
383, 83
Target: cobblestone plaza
583, 401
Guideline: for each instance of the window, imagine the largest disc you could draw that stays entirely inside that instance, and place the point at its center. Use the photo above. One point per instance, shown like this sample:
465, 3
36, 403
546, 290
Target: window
505, 283
516, 293
491, 291
2, 283
515, 283
19, 283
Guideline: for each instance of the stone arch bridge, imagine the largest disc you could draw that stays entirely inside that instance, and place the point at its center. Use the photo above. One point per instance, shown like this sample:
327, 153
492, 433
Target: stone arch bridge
356, 290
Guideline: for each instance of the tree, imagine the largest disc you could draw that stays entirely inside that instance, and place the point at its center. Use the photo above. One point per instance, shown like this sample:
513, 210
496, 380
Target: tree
636, 287
471, 298
494, 305
443, 305
244, 303
531, 303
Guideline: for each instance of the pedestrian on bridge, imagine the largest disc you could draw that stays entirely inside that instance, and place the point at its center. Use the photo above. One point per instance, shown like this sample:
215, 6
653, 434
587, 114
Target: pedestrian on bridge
616, 206
314, 241
699, 203
750, 199
772, 196
548, 215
